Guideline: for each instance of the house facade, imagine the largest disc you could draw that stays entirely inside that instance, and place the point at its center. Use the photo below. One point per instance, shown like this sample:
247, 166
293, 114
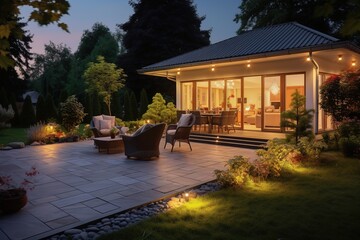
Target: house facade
256, 72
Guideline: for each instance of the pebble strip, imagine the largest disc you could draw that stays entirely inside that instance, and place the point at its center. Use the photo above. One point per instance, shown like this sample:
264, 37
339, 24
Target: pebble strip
133, 216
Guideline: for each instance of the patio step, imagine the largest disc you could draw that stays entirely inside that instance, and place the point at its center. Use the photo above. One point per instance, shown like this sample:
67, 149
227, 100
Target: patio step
233, 141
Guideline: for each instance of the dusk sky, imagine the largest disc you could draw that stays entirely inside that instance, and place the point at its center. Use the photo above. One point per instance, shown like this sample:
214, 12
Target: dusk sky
84, 13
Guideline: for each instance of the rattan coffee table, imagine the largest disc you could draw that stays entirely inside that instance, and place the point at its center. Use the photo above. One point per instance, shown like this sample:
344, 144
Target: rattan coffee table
108, 144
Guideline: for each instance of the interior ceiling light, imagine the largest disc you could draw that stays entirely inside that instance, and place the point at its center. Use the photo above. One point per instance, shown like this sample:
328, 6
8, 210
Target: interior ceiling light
274, 88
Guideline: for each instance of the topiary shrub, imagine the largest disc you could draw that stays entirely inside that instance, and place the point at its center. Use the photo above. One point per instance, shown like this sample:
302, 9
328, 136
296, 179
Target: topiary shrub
72, 113
158, 111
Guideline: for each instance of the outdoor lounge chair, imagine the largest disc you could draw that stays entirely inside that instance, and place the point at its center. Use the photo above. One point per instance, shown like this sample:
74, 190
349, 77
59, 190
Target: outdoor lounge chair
101, 125
144, 143
181, 131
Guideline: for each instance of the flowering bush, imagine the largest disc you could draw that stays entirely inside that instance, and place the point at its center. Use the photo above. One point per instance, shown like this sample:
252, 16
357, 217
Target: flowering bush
8, 183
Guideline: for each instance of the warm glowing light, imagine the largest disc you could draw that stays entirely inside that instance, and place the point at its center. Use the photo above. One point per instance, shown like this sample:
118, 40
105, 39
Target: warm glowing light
213, 69
340, 58
308, 59
248, 65
178, 73
247, 108
148, 121
274, 88
353, 63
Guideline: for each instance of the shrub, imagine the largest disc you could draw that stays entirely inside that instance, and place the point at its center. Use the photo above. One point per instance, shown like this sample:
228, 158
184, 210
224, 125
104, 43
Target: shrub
237, 174
350, 145
158, 111
310, 149
6, 116
276, 156
72, 113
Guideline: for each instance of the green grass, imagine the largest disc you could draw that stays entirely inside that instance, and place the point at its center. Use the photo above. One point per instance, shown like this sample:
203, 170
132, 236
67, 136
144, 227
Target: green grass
12, 135
321, 202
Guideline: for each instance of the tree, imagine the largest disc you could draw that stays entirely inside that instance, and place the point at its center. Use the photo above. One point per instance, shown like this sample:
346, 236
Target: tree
105, 79
335, 17
98, 41
340, 96
51, 69
6, 114
44, 13
51, 110
156, 31
134, 106
297, 118
144, 102
41, 112
27, 116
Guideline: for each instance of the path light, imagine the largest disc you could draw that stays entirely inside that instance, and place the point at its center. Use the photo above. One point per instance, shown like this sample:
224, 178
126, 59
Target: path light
148, 121
187, 196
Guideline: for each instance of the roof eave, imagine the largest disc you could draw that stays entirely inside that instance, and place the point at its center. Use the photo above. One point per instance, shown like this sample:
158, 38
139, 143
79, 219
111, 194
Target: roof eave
341, 44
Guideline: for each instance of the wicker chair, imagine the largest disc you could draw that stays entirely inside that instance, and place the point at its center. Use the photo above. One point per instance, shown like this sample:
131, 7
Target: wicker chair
180, 132
145, 144
200, 120
226, 119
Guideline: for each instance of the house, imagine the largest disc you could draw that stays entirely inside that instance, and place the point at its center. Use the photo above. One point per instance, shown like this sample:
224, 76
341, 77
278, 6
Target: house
256, 72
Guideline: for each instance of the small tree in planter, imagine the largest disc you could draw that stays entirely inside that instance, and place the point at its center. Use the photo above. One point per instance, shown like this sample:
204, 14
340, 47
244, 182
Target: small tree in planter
298, 118
72, 113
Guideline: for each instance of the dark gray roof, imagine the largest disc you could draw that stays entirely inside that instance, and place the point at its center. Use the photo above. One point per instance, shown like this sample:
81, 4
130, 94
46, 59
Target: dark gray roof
271, 39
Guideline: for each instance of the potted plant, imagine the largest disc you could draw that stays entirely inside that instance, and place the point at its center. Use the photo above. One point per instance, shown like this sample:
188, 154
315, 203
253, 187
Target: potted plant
113, 132
13, 196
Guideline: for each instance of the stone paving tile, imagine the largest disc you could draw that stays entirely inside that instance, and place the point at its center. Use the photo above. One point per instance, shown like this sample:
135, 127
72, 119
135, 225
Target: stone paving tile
77, 184
105, 208
62, 221
29, 225
46, 212
81, 212
71, 200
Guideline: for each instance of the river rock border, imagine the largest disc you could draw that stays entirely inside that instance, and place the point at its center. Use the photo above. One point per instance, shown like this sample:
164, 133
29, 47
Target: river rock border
119, 221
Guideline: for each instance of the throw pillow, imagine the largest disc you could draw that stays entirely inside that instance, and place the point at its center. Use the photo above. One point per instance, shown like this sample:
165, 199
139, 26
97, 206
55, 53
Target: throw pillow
184, 120
111, 118
105, 124
96, 121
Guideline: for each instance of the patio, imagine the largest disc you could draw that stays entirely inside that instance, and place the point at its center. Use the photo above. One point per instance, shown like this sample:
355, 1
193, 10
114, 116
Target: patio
77, 184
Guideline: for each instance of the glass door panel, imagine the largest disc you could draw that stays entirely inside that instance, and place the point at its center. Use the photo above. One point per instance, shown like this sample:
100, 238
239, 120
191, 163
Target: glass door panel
202, 96
233, 96
272, 102
187, 96
252, 103
217, 91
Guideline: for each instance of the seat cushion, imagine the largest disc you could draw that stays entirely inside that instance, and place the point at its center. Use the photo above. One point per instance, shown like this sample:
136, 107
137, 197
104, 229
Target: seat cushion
171, 132
105, 124
105, 131
96, 121
111, 118
185, 120
143, 129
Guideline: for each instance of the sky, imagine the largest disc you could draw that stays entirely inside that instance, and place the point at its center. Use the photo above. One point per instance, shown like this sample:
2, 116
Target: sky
84, 13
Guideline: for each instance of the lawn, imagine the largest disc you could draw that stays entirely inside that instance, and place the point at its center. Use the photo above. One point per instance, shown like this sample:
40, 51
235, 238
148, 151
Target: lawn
12, 135
321, 202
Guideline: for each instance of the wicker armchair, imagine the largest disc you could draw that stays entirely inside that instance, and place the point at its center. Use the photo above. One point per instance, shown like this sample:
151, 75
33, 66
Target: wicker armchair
180, 132
144, 144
